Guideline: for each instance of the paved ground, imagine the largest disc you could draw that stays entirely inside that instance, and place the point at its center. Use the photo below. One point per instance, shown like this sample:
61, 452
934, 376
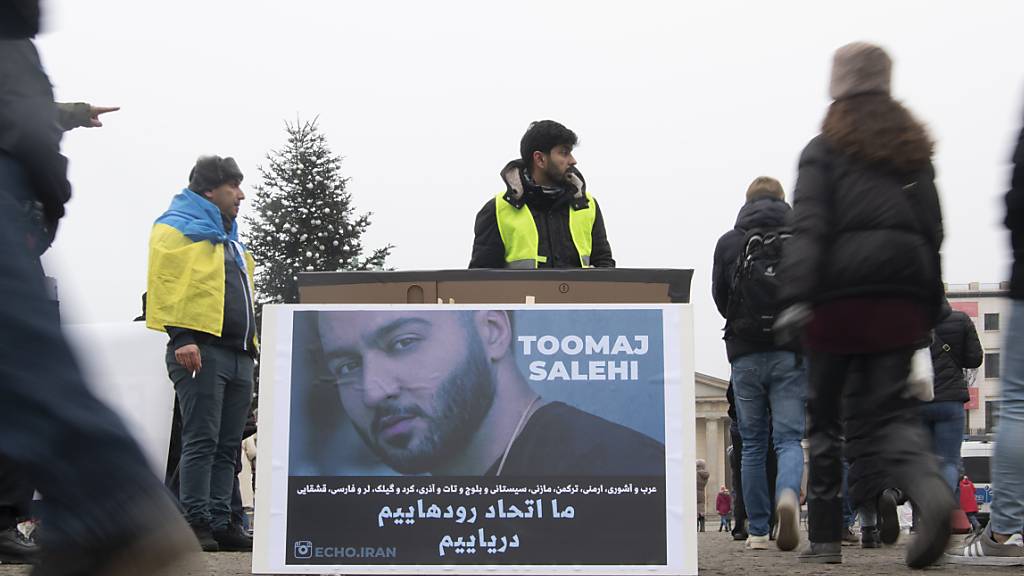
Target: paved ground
718, 555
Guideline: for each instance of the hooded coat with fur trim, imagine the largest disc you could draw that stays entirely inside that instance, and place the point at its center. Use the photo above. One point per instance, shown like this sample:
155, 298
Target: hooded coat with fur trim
550, 213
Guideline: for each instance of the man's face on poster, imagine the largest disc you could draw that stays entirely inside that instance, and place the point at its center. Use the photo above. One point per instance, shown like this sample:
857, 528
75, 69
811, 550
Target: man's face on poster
416, 385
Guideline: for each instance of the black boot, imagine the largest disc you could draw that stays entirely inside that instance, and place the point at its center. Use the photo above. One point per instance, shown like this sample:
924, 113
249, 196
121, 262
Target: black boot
233, 539
15, 548
888, 519
935, 504
205, 537
739, 531
870, 537
822, 553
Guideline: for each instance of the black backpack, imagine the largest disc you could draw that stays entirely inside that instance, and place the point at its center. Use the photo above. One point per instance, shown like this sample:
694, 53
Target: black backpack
754, 295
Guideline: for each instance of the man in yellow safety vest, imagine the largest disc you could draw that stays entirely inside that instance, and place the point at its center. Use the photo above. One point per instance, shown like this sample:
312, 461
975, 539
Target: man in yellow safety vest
545, 218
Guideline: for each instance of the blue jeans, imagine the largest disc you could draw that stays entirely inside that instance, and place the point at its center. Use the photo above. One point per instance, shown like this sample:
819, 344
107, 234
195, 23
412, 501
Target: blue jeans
945, 422
1007, 514
849, 514
69, 445
214, 408
769, 385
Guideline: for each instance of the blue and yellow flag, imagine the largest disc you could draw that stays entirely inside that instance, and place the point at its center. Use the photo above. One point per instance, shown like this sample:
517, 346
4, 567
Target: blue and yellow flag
185, 284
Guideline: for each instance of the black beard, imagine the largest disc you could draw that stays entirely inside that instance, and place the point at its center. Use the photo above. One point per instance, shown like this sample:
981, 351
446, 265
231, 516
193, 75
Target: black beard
460, 405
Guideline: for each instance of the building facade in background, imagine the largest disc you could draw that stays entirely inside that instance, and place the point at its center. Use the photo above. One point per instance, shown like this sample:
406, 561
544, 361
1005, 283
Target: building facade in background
988, 306
713, 432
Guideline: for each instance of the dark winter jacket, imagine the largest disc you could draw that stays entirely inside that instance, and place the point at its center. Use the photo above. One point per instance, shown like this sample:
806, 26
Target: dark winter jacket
19, 19
30, 135
551, 214
762, 213
860, 230
955, 346
1015, 220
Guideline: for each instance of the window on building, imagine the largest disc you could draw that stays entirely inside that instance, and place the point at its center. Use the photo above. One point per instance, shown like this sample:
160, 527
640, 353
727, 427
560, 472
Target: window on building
991, 321
991, 416
992, 365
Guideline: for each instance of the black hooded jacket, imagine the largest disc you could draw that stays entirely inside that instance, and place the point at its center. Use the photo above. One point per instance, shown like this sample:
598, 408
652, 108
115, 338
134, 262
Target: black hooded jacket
762, 213
551, 214
955, 347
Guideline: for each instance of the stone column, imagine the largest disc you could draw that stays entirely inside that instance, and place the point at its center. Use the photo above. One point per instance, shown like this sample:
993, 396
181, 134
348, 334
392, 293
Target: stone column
713, 450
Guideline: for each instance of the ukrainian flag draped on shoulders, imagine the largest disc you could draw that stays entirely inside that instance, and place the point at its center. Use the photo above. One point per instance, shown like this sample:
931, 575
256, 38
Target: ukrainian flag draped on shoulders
185, 284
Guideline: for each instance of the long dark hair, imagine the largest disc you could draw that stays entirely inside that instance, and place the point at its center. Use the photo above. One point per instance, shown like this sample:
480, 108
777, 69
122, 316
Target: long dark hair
880, 131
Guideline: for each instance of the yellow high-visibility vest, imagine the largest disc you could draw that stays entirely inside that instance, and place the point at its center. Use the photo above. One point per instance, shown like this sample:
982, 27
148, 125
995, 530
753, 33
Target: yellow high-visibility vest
519, 233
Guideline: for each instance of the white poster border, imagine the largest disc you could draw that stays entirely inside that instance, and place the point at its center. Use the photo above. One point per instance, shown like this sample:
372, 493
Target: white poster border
270, 546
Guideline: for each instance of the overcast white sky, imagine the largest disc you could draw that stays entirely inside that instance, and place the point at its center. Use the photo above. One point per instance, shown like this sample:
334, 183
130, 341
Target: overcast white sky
678, 105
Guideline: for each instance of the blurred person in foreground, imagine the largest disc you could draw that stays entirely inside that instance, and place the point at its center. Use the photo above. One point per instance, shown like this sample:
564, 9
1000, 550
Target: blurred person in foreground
15, 492
115, 517
1001, 542
862, 281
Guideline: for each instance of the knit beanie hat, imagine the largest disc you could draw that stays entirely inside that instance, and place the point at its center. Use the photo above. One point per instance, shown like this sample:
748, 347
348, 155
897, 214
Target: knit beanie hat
860, 68
212, 171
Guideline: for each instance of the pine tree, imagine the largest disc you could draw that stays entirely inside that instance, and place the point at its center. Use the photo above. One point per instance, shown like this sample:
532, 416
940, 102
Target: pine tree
304, 219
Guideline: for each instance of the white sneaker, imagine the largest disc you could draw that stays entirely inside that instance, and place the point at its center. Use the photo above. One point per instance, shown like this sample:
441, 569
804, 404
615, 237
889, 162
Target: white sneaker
758, 542
788, 513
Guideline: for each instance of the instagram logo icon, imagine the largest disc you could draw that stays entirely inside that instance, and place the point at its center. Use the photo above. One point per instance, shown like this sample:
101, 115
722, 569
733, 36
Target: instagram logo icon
303, 549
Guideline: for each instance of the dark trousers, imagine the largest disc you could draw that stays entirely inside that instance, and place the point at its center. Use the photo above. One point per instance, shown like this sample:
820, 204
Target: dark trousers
173, 472
884, 437
214, 406
15, 495
70, 446
736, 463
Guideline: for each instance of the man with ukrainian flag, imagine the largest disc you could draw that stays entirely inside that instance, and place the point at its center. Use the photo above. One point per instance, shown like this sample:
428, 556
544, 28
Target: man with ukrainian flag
200, 291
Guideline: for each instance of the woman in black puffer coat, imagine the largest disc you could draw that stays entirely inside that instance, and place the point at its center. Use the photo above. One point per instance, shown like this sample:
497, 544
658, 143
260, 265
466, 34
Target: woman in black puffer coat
861, 276
955, 347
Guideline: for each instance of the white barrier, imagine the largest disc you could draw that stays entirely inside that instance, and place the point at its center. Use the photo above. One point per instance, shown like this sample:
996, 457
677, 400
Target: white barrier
124, 366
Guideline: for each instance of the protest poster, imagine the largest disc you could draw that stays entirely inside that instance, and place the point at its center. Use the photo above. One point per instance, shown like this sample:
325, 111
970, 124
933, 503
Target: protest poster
541, 439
